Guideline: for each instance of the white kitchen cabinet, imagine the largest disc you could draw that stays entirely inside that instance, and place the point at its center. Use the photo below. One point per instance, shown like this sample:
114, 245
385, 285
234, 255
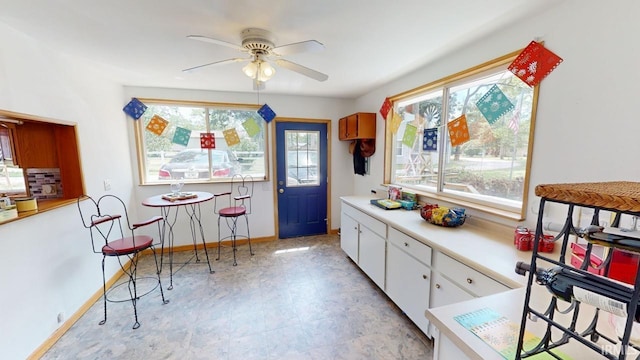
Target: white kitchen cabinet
445, 349
364, 239
415, 271
349, 236
455, 282
445, 292
372, 255
408, 276
466, 278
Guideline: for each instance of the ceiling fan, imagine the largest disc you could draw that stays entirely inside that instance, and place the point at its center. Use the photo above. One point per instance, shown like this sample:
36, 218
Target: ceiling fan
260, 47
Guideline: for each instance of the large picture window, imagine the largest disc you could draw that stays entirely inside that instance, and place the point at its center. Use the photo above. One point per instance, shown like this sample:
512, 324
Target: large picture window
176, 153
491, 168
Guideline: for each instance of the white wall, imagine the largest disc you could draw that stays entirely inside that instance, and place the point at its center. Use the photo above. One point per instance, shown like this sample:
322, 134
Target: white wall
586, 127
47, 264
263, 200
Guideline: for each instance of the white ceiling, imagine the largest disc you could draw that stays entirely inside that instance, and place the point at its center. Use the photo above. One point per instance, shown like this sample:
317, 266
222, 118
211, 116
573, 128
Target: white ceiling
367, 42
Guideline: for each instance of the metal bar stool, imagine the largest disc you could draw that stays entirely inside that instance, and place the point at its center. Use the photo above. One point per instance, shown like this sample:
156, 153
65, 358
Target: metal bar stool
238, 205
113, 235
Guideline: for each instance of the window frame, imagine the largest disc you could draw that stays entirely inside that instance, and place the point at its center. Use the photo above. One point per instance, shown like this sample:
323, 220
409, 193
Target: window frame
139, 129
485, 205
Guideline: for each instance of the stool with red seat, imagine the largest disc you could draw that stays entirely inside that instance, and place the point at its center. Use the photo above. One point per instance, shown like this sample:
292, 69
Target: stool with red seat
238, 205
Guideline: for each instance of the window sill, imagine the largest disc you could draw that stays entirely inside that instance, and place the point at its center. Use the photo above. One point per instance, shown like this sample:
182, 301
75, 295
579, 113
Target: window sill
456, 201
43, 206
506, 214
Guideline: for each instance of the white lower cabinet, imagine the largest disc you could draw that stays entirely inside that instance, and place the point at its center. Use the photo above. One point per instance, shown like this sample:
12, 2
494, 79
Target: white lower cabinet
465, 278
413, 276
349, 236
444, 292
408, 276
445, 349
364, 240
455, 282
371, 256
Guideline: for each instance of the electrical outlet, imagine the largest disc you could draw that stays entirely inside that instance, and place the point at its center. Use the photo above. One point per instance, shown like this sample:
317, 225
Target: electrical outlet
107, 184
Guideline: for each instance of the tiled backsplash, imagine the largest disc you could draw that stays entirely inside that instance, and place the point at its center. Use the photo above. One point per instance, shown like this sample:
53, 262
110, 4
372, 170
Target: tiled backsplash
44, 183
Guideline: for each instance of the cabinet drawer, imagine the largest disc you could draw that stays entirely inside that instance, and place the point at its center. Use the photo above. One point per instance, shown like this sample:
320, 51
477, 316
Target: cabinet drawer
444, 292
467, 278
372, 224
411, 246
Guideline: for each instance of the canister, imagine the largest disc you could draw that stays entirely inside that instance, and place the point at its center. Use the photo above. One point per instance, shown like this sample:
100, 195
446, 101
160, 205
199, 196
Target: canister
26, 204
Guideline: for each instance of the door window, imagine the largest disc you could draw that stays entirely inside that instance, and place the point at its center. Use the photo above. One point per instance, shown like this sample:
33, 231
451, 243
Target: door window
302, 158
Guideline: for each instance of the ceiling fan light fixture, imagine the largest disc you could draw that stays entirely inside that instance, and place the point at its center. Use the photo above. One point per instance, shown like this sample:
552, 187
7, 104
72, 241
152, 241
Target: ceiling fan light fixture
251, 69
265, 71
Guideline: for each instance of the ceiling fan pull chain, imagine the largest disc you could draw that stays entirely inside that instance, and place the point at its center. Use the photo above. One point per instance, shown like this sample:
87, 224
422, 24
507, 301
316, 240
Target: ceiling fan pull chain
258, 89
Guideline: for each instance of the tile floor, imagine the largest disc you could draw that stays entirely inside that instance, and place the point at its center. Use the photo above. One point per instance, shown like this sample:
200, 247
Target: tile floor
294, 299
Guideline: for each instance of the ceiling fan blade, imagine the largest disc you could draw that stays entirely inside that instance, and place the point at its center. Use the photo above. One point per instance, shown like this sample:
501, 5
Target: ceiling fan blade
222, 62
302, 69
216, 41
299, 47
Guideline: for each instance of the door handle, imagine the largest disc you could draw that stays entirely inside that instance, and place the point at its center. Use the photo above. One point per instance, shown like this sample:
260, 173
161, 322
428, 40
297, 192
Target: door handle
281, 191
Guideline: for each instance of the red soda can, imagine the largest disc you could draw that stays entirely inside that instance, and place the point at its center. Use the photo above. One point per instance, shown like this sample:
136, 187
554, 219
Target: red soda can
546, 243
522, 238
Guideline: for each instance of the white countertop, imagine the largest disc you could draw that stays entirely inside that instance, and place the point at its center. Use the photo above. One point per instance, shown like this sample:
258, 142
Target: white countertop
487, 249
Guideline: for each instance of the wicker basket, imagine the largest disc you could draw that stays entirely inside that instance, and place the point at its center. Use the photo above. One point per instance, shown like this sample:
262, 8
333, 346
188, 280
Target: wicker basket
614, 195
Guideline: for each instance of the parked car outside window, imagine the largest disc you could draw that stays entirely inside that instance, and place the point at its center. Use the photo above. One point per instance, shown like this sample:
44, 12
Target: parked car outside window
194, 164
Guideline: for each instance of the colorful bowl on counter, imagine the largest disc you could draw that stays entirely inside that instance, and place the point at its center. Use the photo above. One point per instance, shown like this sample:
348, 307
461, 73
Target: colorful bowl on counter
443, 216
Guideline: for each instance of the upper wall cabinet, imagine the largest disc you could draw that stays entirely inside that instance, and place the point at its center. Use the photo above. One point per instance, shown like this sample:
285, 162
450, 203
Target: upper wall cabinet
357, 126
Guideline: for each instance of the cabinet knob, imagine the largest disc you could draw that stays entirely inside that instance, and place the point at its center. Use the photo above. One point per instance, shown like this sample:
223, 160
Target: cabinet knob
469, 280
424, 276
437, 286
406, 244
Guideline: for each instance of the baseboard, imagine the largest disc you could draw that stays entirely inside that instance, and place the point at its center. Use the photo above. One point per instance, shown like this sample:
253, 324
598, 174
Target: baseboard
62, 329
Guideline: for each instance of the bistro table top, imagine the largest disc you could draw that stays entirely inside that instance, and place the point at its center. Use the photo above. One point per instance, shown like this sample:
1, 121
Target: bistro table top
160, 201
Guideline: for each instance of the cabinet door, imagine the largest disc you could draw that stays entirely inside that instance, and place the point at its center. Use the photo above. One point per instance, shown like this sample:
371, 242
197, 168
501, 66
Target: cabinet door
445, 349
467, 278
445, 292
352, 126
408, 285
349, 236
371, 255
366, 126
342, 129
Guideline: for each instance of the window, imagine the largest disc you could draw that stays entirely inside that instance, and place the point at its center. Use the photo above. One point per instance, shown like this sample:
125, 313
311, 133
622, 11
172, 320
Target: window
11, 176
176, 154
489, 170
302, 157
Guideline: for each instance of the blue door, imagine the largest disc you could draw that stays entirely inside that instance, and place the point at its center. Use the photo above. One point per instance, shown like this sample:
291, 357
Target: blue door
301, 163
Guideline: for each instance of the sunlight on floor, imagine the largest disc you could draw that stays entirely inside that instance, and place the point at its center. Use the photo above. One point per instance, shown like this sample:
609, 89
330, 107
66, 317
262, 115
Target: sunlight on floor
283, 251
